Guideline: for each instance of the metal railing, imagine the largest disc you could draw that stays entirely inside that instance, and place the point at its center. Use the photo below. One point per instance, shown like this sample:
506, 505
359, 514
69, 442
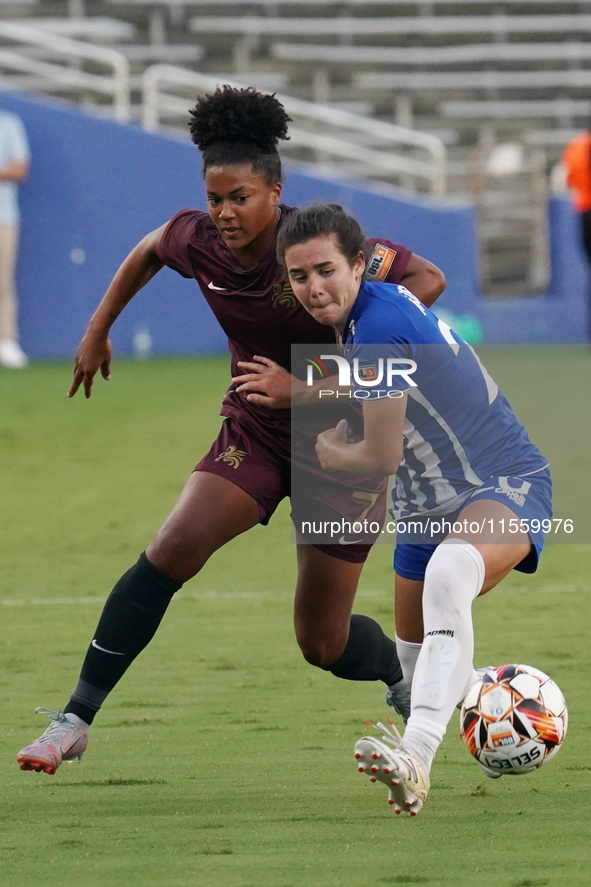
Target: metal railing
344, 136
115, 85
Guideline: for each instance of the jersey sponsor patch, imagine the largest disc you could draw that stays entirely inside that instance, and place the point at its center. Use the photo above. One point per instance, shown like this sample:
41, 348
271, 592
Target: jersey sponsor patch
380, 262
368, 373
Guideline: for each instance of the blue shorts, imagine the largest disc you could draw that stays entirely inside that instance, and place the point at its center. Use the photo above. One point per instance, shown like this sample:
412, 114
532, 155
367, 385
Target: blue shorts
529, 497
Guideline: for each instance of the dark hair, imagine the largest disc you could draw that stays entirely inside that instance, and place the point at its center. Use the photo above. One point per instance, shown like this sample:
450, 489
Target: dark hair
322, 220
240, 126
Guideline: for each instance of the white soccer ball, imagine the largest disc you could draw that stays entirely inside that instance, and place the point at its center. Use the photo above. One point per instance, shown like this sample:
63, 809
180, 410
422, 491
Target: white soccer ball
514, 719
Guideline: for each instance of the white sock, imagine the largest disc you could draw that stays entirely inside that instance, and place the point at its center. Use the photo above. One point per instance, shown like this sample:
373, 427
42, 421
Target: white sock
408, 653
454, 577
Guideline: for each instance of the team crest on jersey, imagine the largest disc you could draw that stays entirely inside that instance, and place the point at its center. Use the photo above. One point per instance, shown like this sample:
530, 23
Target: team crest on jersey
283, 296
380, 262
232, 456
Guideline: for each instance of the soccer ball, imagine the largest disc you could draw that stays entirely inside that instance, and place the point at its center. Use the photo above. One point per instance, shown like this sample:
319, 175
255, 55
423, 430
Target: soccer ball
514, 719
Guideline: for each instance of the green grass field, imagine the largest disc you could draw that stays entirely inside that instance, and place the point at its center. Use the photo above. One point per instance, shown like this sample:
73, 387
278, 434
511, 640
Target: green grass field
222, 759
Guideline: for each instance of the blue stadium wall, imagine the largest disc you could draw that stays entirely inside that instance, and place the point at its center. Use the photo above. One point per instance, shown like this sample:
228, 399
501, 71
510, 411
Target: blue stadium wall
96, 187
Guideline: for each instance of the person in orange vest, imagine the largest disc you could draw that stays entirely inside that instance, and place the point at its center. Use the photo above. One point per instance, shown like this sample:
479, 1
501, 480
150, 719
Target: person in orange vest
576, 160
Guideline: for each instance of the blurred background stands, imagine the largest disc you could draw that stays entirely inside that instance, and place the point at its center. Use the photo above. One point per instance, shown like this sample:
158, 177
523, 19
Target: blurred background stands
504, 84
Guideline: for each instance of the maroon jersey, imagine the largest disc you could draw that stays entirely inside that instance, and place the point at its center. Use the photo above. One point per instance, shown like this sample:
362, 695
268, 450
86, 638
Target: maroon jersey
256, 307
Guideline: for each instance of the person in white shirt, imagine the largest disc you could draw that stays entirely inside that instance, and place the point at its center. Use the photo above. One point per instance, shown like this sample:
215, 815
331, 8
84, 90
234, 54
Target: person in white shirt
14, 168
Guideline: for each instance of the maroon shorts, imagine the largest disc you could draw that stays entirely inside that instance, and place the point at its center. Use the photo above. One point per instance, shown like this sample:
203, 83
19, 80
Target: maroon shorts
242, 458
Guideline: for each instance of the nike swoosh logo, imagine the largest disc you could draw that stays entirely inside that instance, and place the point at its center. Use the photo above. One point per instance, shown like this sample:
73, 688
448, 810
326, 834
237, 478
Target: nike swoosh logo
219, 289
102, 649
343, 541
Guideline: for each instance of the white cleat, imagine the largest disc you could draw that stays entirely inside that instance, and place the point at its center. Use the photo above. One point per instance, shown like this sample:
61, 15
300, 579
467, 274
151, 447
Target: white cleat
401, 772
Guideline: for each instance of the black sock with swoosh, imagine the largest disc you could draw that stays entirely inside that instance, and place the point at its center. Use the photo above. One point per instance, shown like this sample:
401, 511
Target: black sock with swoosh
370, 655
129, 620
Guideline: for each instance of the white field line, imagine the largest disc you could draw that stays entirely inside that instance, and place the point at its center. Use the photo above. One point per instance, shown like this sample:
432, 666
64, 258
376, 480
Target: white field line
549, 589
246, 596
49, 601
70, 601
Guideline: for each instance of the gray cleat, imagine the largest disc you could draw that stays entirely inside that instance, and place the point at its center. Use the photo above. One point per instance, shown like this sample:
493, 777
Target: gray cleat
398, 697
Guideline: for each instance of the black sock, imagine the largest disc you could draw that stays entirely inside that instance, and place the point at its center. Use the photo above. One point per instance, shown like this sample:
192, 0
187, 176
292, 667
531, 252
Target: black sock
370, 655
131, 615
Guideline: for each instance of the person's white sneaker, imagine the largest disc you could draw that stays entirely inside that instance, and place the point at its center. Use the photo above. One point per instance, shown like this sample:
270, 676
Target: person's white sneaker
12, 355
401, 772
65, 740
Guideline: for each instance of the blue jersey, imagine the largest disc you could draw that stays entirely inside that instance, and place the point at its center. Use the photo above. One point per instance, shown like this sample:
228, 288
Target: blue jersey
459, 428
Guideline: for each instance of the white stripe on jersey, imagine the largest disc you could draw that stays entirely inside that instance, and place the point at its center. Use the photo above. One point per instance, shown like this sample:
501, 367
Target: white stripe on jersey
491, 385
414, 496
469, 474
423, 451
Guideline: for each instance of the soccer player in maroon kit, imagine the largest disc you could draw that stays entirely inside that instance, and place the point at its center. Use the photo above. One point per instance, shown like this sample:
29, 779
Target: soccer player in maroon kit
230, 252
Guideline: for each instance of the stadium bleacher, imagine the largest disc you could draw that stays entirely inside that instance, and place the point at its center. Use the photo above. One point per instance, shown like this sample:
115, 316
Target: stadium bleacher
434, 53
473, 72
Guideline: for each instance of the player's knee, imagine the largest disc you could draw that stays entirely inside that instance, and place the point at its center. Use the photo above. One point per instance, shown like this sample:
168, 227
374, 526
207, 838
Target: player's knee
439, 578
318, 656
321, 652
177, 553
447, 571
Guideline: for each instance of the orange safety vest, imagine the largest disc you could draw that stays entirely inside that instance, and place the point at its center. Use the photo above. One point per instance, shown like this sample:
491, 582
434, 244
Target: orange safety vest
576, 159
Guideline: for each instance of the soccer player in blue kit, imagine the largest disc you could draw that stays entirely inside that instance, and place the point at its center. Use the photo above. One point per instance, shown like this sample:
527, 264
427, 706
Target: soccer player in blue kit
470, 485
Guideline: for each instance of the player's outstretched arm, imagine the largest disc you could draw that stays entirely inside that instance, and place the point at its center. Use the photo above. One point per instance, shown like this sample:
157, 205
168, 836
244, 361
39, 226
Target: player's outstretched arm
424, 280
94, 352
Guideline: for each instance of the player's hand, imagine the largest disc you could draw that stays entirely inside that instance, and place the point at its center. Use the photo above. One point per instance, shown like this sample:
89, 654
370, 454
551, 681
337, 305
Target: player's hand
266, 383
94, 354
328, 444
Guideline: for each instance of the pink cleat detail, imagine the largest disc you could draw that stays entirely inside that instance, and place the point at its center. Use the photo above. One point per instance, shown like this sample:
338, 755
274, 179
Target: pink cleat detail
65, 739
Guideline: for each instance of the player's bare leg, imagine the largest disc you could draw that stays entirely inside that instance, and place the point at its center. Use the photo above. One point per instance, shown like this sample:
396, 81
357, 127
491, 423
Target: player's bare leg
210, 511
350, 647
325, 591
